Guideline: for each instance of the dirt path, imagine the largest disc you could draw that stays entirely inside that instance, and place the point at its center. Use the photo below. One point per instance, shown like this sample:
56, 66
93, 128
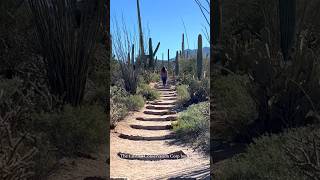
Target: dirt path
141, 145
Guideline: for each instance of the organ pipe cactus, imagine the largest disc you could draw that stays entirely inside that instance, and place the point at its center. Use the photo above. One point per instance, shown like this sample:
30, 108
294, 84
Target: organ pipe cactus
199, 57
287, 15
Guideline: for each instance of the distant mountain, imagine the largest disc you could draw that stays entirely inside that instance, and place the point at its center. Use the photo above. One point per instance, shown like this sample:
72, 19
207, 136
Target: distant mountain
193, 52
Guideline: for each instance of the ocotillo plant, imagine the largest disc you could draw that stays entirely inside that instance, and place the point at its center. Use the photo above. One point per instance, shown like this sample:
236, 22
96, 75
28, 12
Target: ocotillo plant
142, 55
199, 57
67, 45
177, 64
287, 15
152, 53
129, 59
182, 46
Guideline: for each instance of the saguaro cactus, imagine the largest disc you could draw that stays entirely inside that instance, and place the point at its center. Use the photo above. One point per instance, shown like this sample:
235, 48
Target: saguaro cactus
132, 55
142, 55
182, 46
177, 64
152, 53
168, 58
199, 57
216, 8
287, 15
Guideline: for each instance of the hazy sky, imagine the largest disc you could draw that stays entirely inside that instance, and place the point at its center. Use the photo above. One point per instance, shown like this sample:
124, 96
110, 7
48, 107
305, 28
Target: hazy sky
164, 19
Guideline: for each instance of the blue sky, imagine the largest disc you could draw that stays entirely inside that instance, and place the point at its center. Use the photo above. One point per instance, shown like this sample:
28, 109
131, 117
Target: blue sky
164, 19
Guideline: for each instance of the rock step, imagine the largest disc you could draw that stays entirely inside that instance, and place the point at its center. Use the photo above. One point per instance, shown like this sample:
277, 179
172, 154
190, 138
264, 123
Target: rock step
169, 118
162, 103
160, 112
159, 107
166, 98
150, 138
166, 90
151, 127
170, 156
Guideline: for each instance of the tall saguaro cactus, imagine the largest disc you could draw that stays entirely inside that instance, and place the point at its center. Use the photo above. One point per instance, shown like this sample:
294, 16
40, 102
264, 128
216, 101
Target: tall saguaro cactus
142, 55
177, 64
67, 43
182, 47
287, 15
199, 57
152, 53
168, 59
132, 55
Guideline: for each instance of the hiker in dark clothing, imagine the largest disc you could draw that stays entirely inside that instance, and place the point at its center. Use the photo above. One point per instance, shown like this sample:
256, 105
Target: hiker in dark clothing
164, 75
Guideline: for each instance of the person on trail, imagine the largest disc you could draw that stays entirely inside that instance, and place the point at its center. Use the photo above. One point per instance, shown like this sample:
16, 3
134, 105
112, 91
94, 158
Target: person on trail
164, 75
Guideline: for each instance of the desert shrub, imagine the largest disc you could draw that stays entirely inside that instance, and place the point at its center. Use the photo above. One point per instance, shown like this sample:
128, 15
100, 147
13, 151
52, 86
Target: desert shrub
199, 90
235, 108
183, 94
291, 155
151, 77
147, 92
134, 102
121, 102
73, 129
193, 125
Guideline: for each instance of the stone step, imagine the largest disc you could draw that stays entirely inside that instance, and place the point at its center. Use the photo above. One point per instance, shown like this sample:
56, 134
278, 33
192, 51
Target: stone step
159, 107
161, 113
169, 118
166, 127
169, 98
171, 156
162, 103
149, 138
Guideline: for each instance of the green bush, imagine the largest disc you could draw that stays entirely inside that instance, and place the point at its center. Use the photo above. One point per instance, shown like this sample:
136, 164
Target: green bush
147, 92
121, 102
193, 125
199, 90
274, 157
150, 77
183, 94
74, 128
135, 102
235, 108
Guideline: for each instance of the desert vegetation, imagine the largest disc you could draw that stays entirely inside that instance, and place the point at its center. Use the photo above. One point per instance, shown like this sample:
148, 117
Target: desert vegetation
265, 89
54, 62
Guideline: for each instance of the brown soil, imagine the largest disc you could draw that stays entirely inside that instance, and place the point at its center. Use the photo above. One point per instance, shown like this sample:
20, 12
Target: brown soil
194, 165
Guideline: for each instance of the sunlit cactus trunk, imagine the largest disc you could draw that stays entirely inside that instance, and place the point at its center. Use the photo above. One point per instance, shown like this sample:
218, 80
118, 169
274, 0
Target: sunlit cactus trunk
287, 15
199, 57
142, 59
